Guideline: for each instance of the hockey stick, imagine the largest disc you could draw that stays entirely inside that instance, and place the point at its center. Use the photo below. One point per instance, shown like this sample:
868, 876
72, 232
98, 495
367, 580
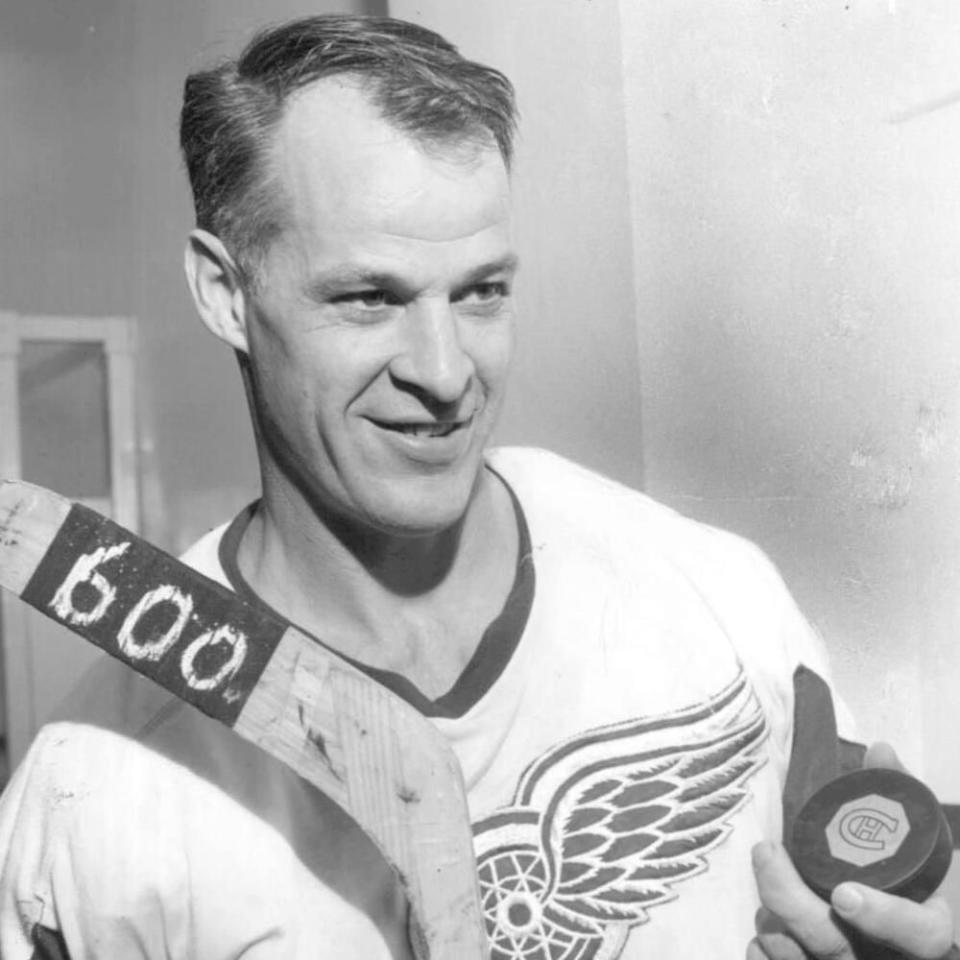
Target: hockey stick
365, 748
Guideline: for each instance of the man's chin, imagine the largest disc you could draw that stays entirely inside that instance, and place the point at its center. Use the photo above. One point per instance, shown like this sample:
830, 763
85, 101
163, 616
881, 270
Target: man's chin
423, 506
424, 510
413, 523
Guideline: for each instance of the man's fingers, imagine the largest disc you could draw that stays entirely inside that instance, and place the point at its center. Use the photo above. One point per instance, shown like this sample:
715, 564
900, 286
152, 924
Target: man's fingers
804, 915
773, 942
774, 947
922, 930
755, 952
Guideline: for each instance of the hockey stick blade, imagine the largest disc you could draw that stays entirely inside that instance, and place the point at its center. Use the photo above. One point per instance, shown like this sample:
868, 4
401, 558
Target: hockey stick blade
364, 747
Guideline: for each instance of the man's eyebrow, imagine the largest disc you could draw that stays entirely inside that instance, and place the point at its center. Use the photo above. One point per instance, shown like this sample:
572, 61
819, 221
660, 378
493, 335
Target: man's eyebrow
506, 264
338, 278
335, 279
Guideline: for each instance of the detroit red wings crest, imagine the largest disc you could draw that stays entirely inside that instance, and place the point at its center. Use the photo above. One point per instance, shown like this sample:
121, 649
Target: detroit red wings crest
605, 827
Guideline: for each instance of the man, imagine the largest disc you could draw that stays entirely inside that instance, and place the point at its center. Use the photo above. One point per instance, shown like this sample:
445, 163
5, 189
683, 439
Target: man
619, 684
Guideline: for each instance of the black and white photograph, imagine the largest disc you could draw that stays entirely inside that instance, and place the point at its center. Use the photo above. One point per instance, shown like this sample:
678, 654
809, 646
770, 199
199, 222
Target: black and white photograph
479, 479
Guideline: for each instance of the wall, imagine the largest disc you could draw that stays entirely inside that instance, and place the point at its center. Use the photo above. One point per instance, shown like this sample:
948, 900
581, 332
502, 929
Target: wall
796, 249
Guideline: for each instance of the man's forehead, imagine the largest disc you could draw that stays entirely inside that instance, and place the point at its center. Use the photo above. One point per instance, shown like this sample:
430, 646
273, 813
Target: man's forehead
337, 117
340, 161
330, 109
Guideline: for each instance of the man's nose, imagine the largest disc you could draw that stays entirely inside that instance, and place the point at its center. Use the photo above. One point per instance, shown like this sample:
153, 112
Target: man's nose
433, 359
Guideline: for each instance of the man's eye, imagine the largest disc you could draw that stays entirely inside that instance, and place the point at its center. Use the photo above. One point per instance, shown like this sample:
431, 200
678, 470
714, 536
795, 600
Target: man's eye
367, 299
489, 292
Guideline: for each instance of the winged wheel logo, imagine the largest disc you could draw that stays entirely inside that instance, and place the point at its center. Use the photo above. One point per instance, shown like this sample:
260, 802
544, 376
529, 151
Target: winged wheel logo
602, 828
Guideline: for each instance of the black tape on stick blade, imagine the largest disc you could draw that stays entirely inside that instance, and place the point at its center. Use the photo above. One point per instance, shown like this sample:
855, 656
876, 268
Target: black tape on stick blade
179, 628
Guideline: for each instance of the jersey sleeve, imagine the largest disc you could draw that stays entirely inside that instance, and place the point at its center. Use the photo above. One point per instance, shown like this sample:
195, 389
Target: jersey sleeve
785, 658
58, 828
25, 895
814, 737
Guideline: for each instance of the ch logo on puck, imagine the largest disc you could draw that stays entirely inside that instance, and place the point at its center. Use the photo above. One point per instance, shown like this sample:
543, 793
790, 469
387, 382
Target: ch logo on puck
867, 830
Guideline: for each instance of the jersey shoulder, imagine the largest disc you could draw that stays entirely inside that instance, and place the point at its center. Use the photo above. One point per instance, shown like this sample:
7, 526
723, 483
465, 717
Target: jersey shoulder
575, 508
559, 494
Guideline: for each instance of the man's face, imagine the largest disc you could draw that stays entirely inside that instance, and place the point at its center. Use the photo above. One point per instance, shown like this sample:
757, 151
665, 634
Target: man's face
381, 329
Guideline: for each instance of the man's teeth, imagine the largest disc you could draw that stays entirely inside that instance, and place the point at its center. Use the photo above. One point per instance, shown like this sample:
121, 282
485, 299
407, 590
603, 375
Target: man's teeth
427, 429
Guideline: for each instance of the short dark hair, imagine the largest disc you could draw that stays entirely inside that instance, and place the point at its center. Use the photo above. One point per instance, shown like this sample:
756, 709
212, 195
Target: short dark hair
417, 80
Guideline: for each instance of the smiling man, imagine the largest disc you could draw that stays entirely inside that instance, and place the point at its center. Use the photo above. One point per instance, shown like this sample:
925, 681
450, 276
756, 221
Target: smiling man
375, 335
625, 689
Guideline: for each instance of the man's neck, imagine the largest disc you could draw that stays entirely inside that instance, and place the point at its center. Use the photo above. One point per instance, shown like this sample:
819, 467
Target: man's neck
414, 605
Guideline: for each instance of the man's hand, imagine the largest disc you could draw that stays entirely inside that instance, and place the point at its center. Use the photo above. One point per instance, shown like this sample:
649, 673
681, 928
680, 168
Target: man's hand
795, 923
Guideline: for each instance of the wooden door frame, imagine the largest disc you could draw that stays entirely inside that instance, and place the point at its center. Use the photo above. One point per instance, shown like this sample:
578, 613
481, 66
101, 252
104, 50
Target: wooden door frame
117, 335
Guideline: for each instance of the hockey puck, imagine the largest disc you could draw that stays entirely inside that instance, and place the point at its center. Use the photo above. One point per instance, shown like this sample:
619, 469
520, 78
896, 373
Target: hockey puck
879, 827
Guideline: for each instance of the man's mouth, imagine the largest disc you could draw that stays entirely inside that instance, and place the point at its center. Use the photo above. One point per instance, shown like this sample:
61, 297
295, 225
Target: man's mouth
429, 429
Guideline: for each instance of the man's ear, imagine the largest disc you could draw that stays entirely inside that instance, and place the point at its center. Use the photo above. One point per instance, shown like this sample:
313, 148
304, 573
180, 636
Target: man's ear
217, 288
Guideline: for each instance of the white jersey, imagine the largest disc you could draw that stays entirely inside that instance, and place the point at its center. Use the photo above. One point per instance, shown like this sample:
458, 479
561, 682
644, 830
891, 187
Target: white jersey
624, 737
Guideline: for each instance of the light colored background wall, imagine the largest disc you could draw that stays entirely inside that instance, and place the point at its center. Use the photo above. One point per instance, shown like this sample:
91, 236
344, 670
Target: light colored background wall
796, 220
740, 277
